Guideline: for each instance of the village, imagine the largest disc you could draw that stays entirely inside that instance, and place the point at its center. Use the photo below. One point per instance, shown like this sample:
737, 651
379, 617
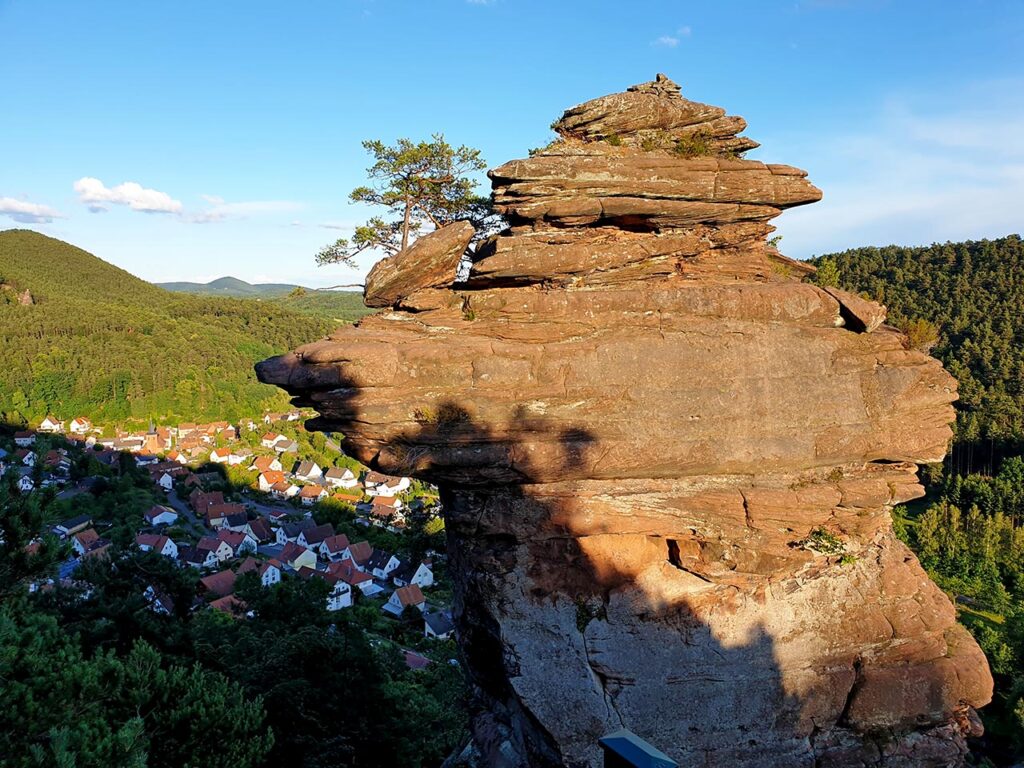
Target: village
263, 497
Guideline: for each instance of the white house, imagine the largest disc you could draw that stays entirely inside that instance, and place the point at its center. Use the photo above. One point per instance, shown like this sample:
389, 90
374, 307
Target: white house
333, 548
165, 480
199, 558
291, 531
79, 425
284, 490
220, 548
271, 439
50, 424
83, 540
413, 573
266, 464
159, 601
220, 455
312, 538
341, 477
347, 571
24, 439
177, 456
162, 545
382, 563
268, 571
378, 484
341, 593
311, 494
269, 478
161, 515
240, 543
27, 457
403, 597
308, 472
437, 625
25, 484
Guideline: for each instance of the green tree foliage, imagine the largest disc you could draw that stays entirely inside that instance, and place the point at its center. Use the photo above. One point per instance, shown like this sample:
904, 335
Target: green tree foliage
417, 184
64, 708
827, 275
101, 343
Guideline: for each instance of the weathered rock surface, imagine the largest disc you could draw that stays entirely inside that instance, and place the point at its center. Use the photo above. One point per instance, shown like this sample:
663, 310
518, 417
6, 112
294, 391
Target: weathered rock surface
431, 262
667, 464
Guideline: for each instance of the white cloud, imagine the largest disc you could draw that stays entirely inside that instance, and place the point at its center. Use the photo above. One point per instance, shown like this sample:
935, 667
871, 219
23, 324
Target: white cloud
666, 41
26, 212
684, 31
220, 210
95, 194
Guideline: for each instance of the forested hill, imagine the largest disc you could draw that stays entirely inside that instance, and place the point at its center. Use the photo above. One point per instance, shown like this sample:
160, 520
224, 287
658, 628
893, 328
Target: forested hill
102, 343
340, 306
233, 287
973, 292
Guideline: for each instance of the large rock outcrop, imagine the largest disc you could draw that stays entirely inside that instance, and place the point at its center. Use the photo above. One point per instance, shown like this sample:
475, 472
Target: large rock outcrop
667, 463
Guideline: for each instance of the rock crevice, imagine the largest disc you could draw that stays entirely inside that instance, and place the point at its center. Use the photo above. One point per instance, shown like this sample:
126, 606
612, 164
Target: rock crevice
667, 462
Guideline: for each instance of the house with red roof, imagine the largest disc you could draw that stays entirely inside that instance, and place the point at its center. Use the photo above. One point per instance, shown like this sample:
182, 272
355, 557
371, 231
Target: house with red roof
269, 571
230, 605
266, 464
359, 553
240, 543
81, 541
333, 547
403, 597
160, 515
220, 549
219, 584
311, 494
347, 571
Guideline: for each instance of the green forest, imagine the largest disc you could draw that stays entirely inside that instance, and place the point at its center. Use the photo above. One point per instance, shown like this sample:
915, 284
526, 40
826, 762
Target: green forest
964, 302
99, 342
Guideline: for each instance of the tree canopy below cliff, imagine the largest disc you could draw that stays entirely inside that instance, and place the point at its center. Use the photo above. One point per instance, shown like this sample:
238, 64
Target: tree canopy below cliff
974, 293
100, 342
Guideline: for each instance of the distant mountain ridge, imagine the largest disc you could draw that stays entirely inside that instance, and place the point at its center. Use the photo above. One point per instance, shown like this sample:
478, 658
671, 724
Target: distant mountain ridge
233, 287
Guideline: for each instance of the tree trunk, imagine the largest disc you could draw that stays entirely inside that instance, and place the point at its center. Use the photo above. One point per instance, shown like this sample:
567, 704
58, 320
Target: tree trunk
405, 224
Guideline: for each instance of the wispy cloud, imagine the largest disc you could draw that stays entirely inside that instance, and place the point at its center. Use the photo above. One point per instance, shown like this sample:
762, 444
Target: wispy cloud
916, 172
221, 210
26, 212
97, 196
672, 40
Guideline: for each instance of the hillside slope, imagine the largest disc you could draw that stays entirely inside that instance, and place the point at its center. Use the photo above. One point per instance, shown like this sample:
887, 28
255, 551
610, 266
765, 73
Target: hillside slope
100, 342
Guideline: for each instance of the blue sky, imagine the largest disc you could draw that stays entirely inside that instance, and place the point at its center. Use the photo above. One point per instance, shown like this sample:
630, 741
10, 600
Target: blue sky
191, 140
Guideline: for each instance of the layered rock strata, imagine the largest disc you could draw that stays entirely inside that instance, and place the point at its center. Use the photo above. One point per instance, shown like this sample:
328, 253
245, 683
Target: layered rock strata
667, 463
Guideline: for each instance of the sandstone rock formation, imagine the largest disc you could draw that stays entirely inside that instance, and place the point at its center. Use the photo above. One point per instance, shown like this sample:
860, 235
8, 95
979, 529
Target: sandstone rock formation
667, 463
